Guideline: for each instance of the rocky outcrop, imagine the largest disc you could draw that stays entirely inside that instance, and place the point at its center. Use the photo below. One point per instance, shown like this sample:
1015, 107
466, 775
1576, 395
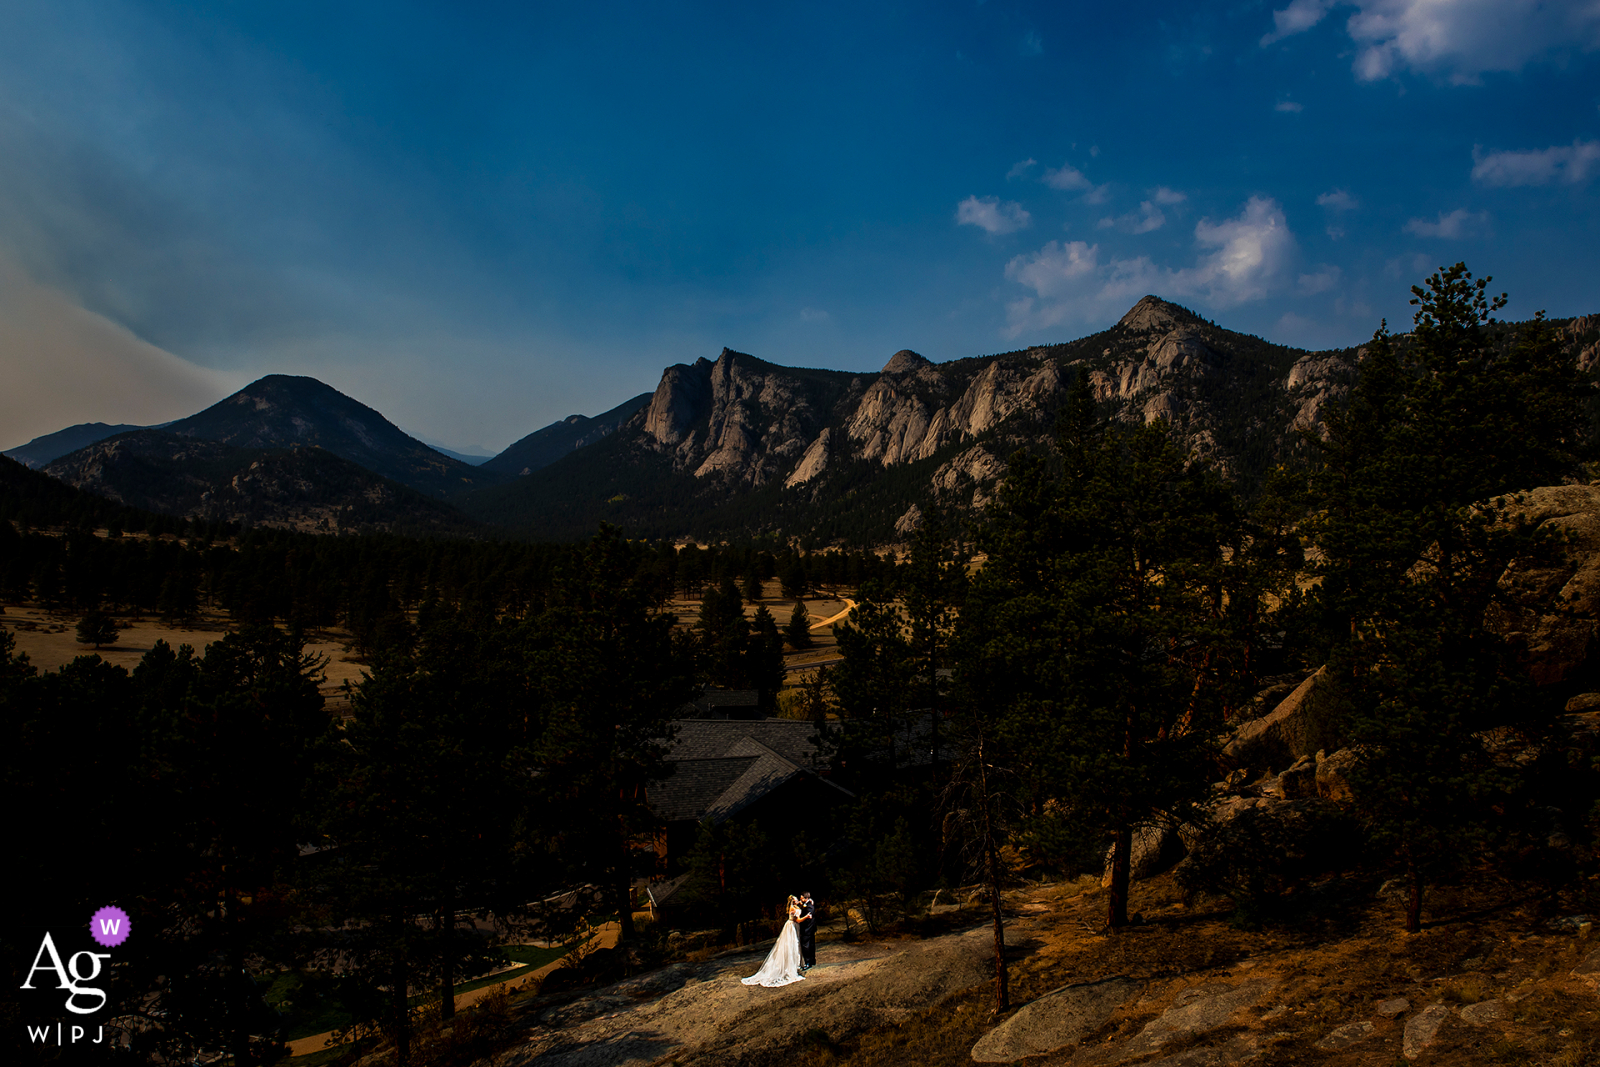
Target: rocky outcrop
1303, 723
743, 420
679, 402
1551, 606
976, 469
1155, 848
1057, 1020
1235, 401
900, 418
1422, 1030
814, 462
1316, 382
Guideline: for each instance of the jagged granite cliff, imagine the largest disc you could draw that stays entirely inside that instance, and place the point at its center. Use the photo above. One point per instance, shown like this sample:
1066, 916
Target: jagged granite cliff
739, 446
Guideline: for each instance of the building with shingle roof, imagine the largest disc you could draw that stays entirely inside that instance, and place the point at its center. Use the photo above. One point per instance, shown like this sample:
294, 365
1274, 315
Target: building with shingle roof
721, 769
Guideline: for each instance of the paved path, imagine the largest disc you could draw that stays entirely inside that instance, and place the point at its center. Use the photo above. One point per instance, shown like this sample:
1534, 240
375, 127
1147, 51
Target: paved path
605, 937
831, 619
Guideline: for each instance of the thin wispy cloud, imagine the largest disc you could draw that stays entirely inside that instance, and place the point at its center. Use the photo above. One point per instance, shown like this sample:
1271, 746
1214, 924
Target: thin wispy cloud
1067, 178
1147, 218
1335, 203
992, 216
1167, 197
1571, 164
1453, 226
1459, 41
1288, 107
1298, 17
1338, 200
1032, 43
1320, 280
1019, 170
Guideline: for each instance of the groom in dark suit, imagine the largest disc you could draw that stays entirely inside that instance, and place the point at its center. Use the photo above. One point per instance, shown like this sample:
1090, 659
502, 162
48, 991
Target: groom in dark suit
808, 932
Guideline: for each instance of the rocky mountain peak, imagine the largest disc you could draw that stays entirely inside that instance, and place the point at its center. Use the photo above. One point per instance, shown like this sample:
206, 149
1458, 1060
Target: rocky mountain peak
1154, 313
906, 361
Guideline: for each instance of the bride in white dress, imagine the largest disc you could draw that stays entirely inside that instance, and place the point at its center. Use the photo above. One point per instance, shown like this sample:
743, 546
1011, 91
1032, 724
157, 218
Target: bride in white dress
782, 965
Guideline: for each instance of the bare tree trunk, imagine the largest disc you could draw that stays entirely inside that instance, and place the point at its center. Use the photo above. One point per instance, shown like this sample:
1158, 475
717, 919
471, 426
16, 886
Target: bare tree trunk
1002, 980
446, 926
1121, 856
239, 995
402, 1009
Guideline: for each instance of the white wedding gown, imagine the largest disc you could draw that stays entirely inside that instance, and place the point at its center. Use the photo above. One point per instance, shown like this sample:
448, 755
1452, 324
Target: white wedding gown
782, 965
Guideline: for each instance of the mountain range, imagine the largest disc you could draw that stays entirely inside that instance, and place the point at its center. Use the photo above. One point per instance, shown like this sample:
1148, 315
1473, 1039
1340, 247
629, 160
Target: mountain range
724, 448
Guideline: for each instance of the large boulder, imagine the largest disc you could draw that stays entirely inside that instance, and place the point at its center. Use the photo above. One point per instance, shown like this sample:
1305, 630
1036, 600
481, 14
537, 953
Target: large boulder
1155, 848
1303, 722
1333, 773
1552, 599
1054, 1021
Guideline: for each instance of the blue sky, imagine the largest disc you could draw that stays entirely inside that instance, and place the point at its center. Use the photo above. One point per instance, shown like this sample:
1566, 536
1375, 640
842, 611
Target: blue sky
482, 217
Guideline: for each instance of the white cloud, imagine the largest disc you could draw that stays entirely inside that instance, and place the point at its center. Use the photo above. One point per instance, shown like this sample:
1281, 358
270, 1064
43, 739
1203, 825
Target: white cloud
1288, 106
1067, 178
1324, 278
1338, 200
814, 315
1457, 224
1457, 39
1049, 270
1019, 169
1251, 252
1098, 195
992, 216
1249, 255
1570, 164
1162, 195
1298, 17
1147, 218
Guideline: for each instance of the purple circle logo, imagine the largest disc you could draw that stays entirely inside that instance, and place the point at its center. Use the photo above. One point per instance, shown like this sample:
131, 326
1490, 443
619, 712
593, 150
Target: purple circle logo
110, 926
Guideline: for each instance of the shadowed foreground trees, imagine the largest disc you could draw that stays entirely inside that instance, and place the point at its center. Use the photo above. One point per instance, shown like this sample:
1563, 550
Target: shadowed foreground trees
1416, 535
1099, 640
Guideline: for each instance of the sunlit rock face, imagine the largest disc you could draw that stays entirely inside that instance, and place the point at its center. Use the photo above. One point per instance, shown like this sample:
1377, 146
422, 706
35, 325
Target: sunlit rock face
741, 419
839, 440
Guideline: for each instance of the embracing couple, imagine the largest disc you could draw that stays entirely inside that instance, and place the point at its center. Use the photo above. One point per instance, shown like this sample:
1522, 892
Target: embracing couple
796, 950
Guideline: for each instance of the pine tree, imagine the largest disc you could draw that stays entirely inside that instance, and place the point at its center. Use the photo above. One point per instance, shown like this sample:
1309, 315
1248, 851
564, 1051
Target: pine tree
97, 629
798, 630
1415, 537
1093, 641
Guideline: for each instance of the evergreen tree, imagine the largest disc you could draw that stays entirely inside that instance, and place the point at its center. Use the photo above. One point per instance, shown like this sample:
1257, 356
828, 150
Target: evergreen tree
798, 630
608, 675
1093, 641
97, 629
1415, 537
765, 654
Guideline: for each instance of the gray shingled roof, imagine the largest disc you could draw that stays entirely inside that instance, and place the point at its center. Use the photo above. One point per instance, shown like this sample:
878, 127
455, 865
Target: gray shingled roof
694, 786
715, 738
721, 766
